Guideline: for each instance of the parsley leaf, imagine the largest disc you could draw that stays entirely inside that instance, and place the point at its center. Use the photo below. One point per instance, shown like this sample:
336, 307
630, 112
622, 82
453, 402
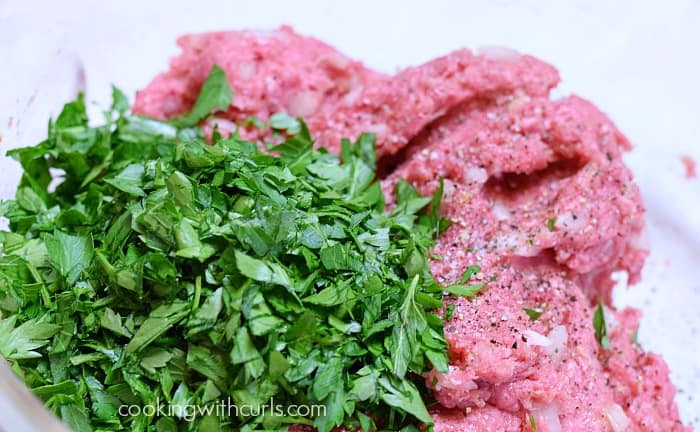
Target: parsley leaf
69, 254
533, 424
215, 94
23, 341
601, 331
533, 314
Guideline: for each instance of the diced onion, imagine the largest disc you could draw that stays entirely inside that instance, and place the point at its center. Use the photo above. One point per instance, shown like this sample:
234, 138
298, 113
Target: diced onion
500, 211
547, 417
617, 418
554, 343
455, 379
304, 103
537, 339
476, 175
558, 337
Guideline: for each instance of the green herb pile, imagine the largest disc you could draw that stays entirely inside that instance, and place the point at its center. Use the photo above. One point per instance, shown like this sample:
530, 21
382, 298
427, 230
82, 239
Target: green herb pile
161, 269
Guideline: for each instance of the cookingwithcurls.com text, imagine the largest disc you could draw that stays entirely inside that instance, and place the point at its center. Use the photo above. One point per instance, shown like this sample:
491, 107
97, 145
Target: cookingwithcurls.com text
221, 408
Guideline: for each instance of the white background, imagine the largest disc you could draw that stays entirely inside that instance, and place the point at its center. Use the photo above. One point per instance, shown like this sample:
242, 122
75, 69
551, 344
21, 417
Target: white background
639, 61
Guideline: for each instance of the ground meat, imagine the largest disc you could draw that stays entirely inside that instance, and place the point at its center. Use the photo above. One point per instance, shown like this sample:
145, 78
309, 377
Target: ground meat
398, 108
539, 197
515, 165
275, 71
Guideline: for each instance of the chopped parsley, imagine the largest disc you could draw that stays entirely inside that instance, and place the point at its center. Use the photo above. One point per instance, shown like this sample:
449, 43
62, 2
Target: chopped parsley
161, 268
449, 311
462, 289
601, 331
533, 314
533, 424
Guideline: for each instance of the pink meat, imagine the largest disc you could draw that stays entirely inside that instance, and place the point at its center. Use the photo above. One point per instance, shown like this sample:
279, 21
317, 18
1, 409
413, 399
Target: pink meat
510, 164
270, 72
539, 196
484, 419
639, 379
526, 163
398, 108
496, 365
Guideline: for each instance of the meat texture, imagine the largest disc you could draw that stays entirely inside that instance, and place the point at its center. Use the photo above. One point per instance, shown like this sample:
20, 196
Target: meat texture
539, 197
269, 71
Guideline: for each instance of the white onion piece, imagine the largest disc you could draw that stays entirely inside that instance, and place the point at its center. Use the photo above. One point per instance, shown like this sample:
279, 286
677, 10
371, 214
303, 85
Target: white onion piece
454, 379
554, 343
304, 103
476, 175
500, 211
558, 337
547, 417
617, 418
537, 339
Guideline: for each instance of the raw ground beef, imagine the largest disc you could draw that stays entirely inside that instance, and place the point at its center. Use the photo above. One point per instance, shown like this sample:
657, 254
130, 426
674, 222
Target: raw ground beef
690, 167
269, 71
539, 197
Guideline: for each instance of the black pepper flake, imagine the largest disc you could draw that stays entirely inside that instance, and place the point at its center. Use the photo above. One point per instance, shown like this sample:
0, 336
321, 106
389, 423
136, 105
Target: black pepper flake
515, 345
